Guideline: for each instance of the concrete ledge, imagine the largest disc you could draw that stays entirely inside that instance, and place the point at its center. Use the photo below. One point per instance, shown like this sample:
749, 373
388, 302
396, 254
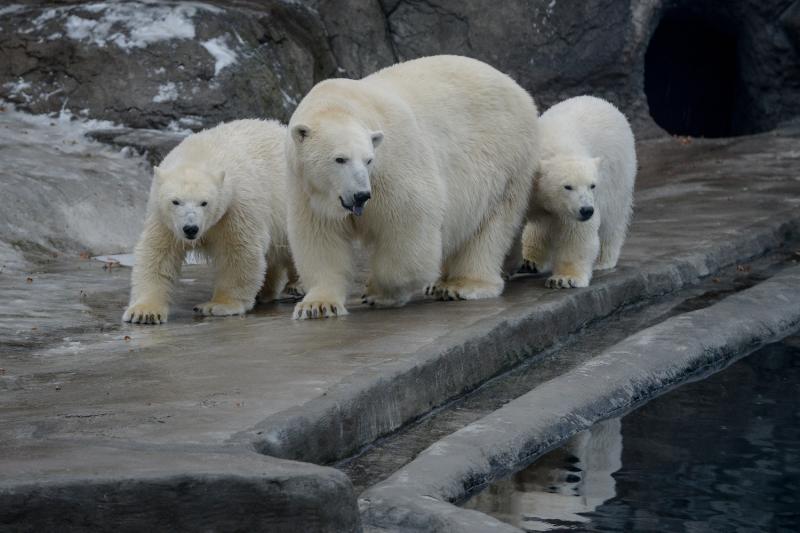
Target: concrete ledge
109, 488
417, 497
376, 401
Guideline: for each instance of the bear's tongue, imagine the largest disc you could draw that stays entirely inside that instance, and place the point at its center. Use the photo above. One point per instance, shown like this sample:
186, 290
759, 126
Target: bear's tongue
358, 210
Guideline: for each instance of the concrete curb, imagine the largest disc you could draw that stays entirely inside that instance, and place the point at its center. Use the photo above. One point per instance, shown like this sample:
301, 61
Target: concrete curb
128, 489
379, 400
416, 498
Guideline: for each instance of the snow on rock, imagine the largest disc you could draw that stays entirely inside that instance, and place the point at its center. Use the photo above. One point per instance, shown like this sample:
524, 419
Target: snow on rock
167, 92
127, 25
223, 55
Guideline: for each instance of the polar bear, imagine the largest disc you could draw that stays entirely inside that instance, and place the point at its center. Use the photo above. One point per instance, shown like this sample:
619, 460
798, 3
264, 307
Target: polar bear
582, 195
428, 163
221, 193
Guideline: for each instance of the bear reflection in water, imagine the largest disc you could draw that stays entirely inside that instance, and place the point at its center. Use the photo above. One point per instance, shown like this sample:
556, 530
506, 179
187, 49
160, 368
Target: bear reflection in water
562, 485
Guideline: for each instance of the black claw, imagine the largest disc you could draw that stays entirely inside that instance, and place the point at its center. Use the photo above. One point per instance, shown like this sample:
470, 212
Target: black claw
572, 478
572, 459
308, 313
572, 283
333, 310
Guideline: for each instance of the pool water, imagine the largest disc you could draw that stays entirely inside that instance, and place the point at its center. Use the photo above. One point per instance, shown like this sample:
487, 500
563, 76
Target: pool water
718, 455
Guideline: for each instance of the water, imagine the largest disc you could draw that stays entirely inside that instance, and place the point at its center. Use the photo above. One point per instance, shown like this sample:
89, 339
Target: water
718, 455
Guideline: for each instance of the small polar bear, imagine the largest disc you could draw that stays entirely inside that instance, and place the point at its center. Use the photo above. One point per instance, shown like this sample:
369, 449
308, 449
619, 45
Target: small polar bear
582, 195
428, 163
220, 193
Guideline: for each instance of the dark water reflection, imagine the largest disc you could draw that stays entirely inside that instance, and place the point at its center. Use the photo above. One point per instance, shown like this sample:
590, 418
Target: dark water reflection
719, 455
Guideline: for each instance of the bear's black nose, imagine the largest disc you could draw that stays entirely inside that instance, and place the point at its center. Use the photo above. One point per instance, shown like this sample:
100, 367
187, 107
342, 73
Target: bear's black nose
360, 198
190, 231
586, 212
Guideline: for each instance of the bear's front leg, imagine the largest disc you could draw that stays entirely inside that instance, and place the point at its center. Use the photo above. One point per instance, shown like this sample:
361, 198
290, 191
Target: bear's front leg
157, 265
323, 256
240, 269
575, 248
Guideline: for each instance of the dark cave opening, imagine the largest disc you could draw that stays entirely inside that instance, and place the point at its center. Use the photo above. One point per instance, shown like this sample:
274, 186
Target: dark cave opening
692, 77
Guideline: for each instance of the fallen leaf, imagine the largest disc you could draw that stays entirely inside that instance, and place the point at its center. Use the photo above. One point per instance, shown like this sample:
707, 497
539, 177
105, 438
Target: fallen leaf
127, 338
743, 268
716, 280
29, 280
84, 255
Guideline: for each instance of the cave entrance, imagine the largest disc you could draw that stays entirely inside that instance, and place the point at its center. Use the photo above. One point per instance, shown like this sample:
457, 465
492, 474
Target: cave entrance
692, 77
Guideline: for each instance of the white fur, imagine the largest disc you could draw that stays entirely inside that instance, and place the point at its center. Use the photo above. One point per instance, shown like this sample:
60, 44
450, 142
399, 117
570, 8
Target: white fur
585, 141
445, 145
239, 170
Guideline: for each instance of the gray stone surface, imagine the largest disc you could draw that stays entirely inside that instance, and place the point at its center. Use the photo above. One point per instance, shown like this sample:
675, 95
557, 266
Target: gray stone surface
107, 486
320, 390
155, 144
64, 195
418, 496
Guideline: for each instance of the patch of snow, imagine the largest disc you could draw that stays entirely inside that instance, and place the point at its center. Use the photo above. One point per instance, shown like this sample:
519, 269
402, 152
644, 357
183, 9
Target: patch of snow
191, 121
167, 92
221, 53
129, 25
177, 127
288, 101
13, 8
17, 88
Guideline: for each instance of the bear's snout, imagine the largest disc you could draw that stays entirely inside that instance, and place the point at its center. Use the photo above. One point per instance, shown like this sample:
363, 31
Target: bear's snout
190, 231
586, 212
359, 199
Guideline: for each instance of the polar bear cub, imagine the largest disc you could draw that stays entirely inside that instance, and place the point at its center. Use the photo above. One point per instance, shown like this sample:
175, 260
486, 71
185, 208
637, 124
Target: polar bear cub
582, 196
220, 193
428, 163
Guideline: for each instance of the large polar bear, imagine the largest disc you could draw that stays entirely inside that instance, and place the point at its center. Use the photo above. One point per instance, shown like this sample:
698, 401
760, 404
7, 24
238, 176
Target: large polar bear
221, 193
428, 163
582, 196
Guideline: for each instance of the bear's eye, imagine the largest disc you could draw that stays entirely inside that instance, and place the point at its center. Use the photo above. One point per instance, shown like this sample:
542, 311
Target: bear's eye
341, 160
593, 185
203, 204
175, 202
369, 161
568, 187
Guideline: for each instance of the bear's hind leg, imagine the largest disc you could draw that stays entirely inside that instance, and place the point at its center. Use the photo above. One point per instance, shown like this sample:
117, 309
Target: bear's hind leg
475, 271
611, 241
240, 273
402, 266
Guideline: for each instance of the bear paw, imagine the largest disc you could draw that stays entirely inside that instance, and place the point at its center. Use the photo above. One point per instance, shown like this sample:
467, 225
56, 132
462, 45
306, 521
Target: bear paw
295, 290
528, 267
565, 282
384, 300
146, 313
463, 289
318, 309
213, 308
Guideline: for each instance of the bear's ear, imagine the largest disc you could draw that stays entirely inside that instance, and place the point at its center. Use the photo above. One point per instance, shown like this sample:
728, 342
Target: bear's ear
300, 133
377, 138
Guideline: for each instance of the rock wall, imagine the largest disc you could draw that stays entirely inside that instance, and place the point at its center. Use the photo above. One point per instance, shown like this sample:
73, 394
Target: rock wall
191, 64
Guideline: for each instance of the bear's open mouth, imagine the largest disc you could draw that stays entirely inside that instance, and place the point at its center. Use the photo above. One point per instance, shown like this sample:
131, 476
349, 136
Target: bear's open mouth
357, 209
